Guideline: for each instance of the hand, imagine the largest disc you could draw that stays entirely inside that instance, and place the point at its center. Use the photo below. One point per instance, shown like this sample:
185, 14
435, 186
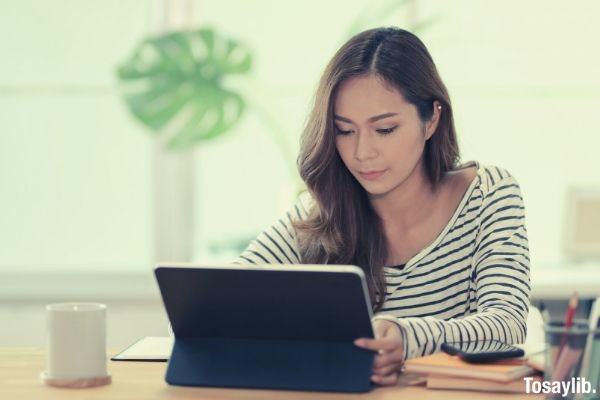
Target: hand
388, 343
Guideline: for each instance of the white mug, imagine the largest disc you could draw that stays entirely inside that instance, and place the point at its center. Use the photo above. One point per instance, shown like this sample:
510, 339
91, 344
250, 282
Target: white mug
76, 352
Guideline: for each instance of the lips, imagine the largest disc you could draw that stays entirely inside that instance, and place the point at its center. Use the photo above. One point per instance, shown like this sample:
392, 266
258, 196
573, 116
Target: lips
371, 175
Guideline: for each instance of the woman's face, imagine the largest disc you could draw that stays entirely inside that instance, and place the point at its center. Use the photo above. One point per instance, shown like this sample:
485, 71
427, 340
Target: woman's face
379, 135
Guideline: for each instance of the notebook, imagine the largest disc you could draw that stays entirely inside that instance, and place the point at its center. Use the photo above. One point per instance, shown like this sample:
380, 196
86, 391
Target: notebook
150, 348
445, 364
534, 355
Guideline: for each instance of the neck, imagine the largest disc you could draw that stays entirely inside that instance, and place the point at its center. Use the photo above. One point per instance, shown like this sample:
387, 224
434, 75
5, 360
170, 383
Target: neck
408, 203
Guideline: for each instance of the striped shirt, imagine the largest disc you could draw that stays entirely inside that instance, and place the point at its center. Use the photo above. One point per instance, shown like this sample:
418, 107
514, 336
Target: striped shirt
471, 283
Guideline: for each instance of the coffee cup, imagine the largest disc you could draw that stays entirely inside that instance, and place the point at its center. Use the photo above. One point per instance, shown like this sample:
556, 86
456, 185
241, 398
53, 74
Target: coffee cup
76, 346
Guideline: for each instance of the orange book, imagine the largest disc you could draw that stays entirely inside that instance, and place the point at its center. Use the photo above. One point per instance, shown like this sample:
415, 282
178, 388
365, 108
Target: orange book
445, 364
481, 385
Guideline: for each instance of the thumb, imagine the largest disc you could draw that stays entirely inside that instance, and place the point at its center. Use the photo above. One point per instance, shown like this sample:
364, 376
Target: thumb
380, 328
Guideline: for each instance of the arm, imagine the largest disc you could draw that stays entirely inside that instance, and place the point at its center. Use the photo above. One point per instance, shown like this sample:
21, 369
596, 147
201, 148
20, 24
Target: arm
500, 275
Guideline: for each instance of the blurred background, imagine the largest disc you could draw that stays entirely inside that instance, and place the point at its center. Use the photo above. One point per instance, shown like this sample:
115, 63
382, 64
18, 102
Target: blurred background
134, 131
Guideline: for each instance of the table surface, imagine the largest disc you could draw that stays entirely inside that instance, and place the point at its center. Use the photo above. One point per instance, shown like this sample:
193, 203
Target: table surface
20, 370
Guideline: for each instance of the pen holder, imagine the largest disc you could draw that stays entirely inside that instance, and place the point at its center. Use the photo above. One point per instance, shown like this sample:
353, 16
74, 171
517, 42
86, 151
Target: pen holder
567, 375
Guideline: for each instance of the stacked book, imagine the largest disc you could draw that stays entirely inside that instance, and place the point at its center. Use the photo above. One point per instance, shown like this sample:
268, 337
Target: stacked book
444, 371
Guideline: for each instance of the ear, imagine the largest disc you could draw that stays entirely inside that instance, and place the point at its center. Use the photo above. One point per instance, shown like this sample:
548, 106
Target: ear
432, 124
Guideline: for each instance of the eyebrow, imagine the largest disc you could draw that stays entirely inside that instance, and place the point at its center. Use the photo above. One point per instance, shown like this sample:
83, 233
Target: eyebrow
371, 119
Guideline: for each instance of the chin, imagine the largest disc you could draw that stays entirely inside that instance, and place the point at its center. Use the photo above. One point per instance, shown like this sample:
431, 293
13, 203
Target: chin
375, 189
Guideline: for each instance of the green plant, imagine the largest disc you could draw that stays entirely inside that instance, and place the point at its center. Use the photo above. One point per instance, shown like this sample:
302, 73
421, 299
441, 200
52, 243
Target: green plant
174, 84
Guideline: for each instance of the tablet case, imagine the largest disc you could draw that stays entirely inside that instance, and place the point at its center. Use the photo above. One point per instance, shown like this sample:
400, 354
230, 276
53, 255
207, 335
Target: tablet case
285, 327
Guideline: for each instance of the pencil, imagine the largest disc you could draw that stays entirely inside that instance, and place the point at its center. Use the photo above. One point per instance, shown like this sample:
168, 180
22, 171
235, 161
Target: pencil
571, 310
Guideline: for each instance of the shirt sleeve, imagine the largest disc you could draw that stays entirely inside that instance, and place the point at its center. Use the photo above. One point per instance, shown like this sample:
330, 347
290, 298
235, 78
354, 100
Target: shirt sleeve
499, 274
278, 244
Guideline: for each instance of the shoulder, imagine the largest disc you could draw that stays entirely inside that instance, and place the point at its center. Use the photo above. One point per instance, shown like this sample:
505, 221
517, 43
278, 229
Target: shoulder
302, 206
493, 176
498, 188
486, 178
488, 183
306, 200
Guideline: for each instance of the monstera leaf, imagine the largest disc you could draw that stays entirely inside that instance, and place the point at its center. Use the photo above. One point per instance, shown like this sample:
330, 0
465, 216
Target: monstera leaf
174, 85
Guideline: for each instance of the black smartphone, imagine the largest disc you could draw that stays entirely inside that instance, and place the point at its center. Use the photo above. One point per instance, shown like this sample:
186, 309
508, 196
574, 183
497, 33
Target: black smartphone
482, 351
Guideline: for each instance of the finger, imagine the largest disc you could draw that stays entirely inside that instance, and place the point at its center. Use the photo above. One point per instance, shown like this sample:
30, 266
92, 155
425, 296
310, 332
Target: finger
387, 380
383, 360
385, 344
387, 370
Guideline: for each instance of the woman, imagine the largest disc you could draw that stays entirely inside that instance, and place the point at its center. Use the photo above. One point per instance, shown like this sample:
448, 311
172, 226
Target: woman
444, 246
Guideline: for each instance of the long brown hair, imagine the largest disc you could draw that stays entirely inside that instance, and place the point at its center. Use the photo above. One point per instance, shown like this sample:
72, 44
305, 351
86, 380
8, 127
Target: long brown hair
343, 227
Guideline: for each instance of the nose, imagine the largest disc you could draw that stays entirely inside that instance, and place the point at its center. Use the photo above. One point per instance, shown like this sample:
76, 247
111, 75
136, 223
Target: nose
365, 147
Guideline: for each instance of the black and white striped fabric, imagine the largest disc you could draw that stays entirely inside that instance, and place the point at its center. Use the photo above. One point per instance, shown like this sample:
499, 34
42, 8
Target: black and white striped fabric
471, 283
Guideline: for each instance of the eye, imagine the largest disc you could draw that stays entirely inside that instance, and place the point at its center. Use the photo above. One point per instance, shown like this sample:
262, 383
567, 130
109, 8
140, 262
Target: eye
387, 131
342, 132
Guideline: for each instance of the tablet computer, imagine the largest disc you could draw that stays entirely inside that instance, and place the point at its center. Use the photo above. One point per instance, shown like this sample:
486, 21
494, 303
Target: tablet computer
268, 326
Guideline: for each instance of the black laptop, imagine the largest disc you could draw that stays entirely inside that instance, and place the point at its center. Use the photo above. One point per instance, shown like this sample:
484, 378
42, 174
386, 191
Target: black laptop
269, 326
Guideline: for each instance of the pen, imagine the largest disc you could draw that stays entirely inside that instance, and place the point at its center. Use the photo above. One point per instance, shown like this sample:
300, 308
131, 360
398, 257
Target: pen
569, 315
571, 310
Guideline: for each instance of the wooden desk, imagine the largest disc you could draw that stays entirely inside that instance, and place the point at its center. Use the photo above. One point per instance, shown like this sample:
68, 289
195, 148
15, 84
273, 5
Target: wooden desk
20, 369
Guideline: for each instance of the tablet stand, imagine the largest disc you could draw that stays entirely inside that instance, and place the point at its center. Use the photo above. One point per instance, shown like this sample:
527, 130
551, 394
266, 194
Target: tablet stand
249, 363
